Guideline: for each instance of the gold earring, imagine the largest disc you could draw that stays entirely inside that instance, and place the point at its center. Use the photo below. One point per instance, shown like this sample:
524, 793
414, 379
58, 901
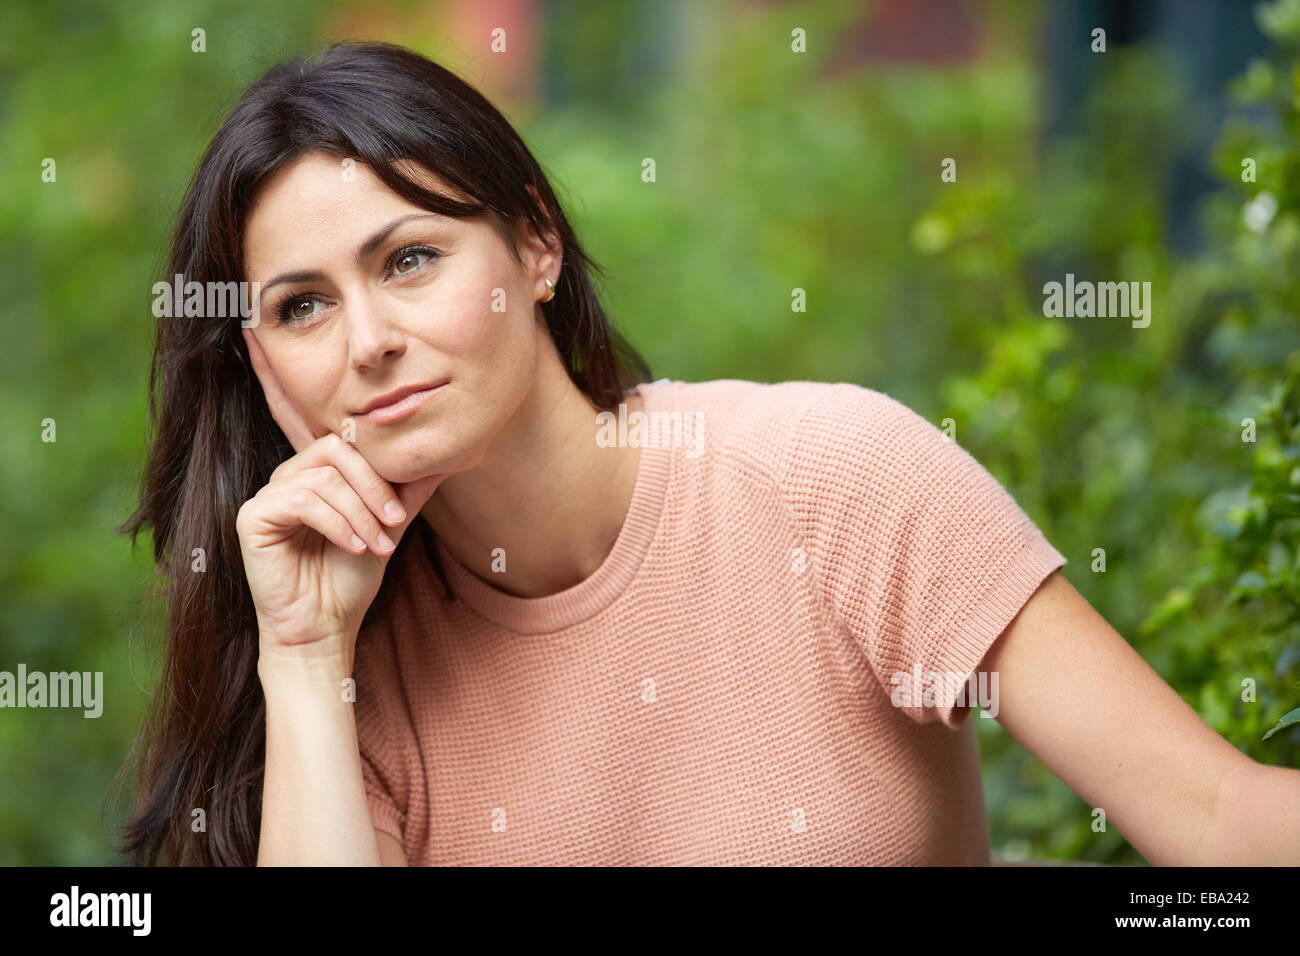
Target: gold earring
550, 289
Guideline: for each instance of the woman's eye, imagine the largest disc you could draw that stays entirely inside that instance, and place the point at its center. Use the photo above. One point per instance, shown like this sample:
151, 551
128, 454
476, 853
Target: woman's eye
295, 310
405, 261
409, 261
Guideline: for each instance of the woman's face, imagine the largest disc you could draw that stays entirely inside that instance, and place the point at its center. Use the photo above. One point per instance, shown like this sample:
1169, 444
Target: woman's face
363, 293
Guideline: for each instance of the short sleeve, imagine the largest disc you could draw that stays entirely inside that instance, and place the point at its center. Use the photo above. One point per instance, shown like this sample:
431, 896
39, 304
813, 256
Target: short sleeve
915, 548
379, 760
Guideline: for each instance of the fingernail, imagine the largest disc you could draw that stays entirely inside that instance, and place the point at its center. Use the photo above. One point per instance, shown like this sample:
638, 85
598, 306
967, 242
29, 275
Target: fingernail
357, 542
386, 542
394, 511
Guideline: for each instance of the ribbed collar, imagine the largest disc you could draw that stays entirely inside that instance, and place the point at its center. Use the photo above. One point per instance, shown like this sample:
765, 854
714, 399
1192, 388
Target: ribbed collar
588, 597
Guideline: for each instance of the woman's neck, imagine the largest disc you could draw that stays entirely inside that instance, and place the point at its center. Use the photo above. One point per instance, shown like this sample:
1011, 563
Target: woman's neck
546, 494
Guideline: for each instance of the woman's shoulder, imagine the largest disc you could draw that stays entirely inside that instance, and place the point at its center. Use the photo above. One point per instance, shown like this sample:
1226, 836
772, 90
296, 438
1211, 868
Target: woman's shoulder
788, 402
792, 427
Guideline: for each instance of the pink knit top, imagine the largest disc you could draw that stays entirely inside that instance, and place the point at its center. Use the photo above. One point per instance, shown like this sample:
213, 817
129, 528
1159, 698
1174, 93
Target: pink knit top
734, 684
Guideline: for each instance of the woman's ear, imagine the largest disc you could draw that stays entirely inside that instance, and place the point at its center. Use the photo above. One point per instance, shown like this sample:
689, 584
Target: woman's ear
550, 242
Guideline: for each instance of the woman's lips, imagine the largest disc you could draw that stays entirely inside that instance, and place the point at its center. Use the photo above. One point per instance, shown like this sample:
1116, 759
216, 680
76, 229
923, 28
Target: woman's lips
385, 414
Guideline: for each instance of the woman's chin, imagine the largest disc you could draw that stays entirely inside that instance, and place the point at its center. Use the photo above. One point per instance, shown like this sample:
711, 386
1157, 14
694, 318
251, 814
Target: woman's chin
401, 458
406, 472
398, 469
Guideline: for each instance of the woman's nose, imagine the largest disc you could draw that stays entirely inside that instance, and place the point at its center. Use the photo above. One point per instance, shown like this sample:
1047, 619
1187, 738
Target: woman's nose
373, 335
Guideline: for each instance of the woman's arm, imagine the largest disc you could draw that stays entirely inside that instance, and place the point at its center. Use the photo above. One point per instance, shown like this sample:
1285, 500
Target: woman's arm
314, 810
1082, 701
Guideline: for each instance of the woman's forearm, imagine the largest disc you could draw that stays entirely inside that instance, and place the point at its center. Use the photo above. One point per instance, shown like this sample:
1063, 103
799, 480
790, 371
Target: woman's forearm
1258, 818
314, 810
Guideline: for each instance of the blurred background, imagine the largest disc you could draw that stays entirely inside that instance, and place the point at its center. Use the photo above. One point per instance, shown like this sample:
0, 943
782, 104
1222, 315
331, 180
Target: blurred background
1170, 157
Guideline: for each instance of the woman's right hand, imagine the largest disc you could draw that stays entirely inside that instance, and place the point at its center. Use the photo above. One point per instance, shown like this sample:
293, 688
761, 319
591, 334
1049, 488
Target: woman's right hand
317, 537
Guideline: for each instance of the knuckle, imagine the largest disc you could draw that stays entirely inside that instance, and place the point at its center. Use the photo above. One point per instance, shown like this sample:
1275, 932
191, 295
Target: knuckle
334, 478
318, 475
300, 497
249, 515
249, 507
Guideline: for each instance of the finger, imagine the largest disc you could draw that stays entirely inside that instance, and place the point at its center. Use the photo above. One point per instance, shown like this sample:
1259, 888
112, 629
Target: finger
288, 417
330, 449
334, 490
302, 506
413, 496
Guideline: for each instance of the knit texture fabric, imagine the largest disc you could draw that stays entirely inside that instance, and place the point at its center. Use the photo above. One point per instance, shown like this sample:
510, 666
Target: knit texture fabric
736, 684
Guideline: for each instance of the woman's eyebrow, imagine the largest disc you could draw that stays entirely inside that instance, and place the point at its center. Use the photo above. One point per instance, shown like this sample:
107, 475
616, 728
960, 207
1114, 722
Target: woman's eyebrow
363, 251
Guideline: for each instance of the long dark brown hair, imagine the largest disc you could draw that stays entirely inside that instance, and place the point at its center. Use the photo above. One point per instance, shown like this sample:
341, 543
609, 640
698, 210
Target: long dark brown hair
213, 440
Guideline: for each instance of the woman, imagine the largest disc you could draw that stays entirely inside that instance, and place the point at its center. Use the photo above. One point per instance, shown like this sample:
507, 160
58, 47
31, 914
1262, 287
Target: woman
473, 590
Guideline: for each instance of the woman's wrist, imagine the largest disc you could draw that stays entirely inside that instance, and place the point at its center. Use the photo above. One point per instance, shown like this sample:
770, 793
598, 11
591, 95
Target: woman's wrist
324, 662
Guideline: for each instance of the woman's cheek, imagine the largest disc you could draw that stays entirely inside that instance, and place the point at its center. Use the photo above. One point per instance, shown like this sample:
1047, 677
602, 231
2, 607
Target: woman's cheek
473, 320
324, 417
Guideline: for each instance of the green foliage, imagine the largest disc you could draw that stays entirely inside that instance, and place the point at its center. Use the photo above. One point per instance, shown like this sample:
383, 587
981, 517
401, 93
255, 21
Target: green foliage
1239, 607
118, 98
1130, 440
